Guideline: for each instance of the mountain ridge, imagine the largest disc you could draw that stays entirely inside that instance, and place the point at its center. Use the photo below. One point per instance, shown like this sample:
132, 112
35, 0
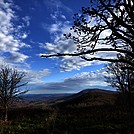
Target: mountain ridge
88, 97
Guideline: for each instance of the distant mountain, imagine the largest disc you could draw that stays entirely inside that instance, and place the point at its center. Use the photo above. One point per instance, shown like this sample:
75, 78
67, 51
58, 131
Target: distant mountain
37, 100
88, 97
42, 97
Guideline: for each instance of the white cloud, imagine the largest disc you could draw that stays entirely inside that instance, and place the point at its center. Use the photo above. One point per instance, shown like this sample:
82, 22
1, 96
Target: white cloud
74, 63
55, 28
35, 77
76, 83
26, 20
57, 15
16, 57
11, 36
63, 16
24, 36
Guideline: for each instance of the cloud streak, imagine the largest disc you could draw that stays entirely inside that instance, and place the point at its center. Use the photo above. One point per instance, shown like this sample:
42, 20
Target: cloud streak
57, 4
76, 83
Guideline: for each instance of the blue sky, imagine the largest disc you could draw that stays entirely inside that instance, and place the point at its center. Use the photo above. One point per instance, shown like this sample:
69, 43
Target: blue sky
34, 27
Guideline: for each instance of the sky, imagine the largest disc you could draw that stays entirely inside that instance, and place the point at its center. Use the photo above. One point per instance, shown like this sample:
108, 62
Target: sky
34, 27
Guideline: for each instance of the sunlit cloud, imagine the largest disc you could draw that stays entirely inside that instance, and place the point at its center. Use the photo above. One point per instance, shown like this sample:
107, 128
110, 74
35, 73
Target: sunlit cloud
16, 57
76, 83
36, 77
11, 36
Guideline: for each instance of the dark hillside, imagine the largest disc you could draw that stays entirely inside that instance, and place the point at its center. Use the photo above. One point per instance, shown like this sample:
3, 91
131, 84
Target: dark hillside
88, 97
89, 111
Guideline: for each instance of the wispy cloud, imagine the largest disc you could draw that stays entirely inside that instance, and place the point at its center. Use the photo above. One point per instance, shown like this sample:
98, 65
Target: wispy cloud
11, 36
26, 20
56, 4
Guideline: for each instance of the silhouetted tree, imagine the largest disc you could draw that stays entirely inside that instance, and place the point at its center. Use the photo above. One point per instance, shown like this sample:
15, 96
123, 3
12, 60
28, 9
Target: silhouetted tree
121, 78
113, 16
10, 86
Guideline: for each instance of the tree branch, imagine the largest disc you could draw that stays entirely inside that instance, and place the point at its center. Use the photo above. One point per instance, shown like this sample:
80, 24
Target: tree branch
90, 52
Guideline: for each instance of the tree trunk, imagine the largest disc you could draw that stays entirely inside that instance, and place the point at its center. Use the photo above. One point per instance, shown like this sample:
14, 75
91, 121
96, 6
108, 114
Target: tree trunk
6, 109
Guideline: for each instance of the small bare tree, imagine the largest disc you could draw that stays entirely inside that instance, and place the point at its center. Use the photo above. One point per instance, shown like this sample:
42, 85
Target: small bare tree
11, 81
121, 78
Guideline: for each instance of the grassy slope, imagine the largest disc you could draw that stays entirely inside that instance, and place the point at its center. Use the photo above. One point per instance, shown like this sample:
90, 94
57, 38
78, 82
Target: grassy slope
91, 111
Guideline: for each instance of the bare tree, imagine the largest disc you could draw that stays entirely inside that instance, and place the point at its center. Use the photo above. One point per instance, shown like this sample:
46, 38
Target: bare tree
113, 16
121, 78
11, 82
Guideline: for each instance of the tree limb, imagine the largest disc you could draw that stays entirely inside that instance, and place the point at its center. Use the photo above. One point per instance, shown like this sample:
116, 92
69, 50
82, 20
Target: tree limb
90, 52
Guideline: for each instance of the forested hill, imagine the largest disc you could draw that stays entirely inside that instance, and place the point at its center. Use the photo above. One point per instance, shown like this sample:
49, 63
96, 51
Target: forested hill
88, 97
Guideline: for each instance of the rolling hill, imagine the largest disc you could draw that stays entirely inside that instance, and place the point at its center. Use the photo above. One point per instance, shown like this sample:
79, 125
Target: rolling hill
88, 97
